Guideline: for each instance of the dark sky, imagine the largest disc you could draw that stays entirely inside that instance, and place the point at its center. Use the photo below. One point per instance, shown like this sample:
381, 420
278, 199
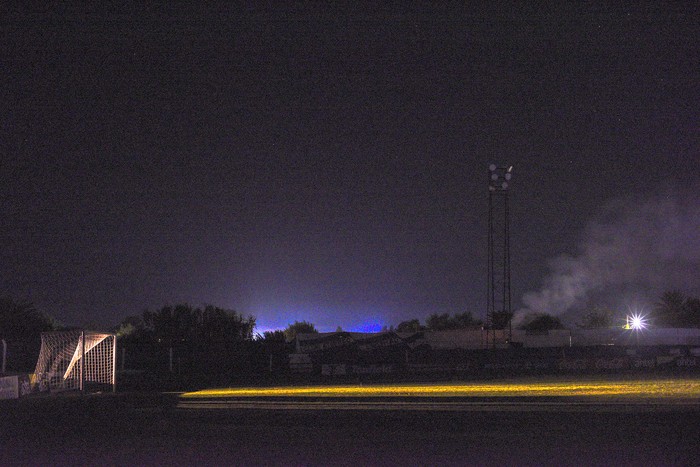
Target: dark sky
328, 164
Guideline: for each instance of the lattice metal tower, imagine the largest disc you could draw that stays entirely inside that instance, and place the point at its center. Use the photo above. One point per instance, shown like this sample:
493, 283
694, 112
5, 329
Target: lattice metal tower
498, 310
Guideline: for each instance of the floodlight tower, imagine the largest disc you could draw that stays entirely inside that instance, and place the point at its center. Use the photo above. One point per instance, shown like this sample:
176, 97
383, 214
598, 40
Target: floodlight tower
498, 307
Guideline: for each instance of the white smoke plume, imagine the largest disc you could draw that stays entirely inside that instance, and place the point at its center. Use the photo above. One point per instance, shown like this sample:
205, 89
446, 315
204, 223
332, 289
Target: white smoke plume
635, 250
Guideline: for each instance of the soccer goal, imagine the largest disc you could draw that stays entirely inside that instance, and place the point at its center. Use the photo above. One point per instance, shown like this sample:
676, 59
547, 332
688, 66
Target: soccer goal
78, 360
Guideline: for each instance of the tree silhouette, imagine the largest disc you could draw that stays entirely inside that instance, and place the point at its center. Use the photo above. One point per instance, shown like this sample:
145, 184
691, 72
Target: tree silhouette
21, 325
20, 319
131, 326
171, 324
467, 321
409, 326
542, 322
272, 342
669, 310
183, 323
219, 325
442, 322
272, 336
501, 319
691, 312
439, 322
299, 327
596, 318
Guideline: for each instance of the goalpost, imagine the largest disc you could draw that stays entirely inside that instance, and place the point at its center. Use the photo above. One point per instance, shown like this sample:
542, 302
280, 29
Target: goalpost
76, 360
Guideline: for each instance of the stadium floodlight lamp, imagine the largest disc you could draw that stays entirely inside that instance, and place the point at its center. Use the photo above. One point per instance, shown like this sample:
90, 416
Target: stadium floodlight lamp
499, 178
636, 322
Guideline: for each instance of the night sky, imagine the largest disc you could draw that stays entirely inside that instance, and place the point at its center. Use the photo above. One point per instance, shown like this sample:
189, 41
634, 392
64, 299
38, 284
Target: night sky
330, 164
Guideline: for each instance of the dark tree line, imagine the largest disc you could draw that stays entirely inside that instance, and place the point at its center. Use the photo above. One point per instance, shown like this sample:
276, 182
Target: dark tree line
597, 318
298, 327
184, 323
542, 322
441, 322
188, 345
673, 310
21, 325
676, 310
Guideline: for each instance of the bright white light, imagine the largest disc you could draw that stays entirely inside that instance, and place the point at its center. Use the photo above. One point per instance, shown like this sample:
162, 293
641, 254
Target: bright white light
636, 321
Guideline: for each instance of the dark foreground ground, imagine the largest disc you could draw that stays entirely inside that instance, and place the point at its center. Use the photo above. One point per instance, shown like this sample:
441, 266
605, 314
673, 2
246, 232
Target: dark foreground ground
137, 429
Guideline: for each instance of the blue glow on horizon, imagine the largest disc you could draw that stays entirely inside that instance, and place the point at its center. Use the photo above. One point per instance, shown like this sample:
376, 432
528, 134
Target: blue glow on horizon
368, 326
266, 320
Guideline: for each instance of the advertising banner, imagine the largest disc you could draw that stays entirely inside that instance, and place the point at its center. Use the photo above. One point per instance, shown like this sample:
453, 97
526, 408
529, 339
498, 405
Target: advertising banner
688, 362
338, 369
575, 364
9, 387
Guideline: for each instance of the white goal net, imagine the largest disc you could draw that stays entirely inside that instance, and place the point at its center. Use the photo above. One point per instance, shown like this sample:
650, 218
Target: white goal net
76, 360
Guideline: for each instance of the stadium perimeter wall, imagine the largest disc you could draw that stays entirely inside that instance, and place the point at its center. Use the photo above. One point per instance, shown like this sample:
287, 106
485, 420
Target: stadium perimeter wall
466, 353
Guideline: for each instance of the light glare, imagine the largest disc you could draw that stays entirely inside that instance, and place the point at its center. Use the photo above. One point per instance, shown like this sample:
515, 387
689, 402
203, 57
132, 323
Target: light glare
636, 322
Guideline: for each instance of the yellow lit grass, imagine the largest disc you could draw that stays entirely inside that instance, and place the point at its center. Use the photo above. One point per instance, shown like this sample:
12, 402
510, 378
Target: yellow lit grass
661, 388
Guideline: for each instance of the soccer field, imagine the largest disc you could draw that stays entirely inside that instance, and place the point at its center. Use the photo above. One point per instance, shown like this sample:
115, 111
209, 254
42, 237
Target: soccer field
662, 388
655, 427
